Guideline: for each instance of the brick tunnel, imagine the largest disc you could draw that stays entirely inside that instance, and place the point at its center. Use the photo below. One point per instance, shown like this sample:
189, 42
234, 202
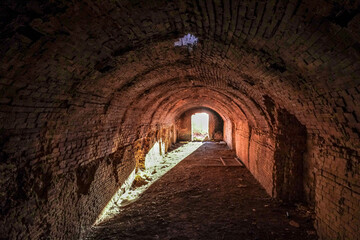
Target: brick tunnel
89, 87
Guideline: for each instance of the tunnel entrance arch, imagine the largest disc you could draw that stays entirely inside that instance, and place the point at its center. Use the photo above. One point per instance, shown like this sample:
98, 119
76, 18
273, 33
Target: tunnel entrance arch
200, 127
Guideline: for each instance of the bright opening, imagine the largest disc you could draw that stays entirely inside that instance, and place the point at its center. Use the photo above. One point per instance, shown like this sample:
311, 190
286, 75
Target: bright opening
157, 167
200, 127
187, 40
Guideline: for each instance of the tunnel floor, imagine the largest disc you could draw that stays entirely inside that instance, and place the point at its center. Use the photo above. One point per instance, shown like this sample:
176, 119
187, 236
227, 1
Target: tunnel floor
202, 199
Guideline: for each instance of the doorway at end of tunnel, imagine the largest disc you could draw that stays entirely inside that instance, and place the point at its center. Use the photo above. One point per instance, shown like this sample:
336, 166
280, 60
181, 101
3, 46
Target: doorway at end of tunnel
200, 127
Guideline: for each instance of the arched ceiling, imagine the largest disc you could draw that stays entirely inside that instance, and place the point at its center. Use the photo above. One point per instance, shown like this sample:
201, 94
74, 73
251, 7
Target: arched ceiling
117, 58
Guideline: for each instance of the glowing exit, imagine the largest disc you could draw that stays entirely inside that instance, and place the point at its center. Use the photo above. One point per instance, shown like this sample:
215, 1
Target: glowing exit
200, 127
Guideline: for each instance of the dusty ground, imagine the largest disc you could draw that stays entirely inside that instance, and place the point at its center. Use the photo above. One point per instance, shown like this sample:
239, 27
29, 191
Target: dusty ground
198, 201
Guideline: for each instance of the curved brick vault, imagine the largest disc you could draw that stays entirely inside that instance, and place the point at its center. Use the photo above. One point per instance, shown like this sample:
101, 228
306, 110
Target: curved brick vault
87, 87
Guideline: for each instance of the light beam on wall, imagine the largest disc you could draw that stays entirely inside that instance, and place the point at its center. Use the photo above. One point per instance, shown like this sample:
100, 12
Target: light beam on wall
157, 167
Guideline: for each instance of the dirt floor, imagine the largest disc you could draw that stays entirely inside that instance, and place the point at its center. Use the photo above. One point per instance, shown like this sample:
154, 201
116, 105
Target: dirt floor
202, 199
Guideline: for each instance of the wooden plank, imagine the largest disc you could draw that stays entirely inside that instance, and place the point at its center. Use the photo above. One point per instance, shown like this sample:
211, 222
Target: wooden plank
222, 160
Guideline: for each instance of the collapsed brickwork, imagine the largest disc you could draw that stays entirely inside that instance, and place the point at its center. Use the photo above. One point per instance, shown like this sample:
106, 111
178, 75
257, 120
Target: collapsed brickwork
86, 85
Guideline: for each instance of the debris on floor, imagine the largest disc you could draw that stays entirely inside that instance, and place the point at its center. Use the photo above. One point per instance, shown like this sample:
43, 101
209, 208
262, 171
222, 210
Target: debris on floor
294, 224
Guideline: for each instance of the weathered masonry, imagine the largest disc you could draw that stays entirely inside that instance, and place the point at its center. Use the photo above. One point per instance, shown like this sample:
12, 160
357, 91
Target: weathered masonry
87, 88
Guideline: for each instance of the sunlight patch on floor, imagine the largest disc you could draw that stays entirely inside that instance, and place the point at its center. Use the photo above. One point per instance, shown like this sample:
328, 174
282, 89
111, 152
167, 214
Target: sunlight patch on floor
128, 193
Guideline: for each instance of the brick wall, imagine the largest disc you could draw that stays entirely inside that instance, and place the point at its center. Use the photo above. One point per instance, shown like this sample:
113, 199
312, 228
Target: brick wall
61, 201
275, 158
336, 193
229, 133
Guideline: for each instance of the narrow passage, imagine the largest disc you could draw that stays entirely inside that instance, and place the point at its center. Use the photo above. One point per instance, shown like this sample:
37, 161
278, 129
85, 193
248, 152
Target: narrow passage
200, 198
